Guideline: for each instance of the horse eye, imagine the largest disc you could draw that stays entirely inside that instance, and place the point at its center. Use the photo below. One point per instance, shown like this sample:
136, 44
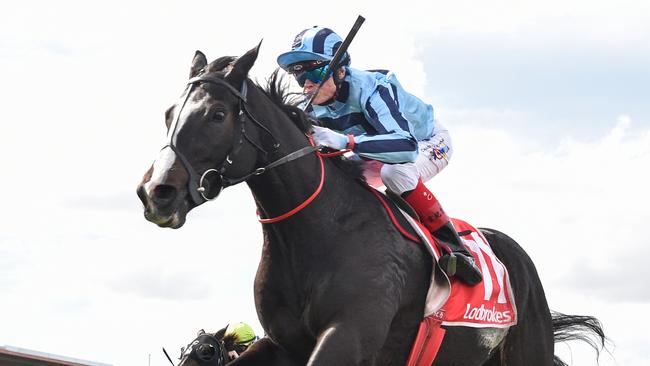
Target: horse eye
219, 116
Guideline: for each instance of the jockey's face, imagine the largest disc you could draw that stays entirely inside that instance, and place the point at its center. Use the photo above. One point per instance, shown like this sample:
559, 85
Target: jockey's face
326, 92
233, 355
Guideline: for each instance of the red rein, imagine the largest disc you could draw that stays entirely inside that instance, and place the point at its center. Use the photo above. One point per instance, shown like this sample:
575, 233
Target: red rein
316, 192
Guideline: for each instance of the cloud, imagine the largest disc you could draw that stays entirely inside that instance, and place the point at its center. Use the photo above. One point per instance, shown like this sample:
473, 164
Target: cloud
84, 117
13, 255
112, 201
622, 280
164, 284
561, 88
577, 207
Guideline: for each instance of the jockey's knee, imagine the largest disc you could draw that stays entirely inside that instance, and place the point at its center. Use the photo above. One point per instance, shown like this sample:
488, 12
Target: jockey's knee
400, 178
435, 155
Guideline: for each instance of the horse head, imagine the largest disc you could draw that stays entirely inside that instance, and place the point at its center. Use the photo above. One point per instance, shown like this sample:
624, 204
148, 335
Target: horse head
205, 141
205, 350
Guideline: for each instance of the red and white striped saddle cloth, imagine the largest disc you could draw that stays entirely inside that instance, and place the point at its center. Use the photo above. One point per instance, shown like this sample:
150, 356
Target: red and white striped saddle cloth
488, 304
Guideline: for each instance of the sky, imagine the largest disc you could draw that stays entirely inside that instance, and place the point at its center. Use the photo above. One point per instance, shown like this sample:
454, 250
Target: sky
548, 105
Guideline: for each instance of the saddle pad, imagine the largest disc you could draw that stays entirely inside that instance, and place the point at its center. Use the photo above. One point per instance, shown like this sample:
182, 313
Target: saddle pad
490, 304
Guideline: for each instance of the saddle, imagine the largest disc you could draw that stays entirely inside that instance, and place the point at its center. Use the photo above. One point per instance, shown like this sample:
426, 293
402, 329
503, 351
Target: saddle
489, 304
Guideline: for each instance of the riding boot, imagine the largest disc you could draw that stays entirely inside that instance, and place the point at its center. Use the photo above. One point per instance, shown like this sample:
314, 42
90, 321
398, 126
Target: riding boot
457, 261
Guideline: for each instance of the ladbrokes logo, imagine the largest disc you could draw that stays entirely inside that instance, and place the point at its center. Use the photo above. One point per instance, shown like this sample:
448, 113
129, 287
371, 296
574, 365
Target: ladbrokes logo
487, 315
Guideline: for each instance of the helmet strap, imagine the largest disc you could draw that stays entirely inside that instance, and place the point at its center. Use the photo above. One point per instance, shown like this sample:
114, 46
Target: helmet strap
337, 81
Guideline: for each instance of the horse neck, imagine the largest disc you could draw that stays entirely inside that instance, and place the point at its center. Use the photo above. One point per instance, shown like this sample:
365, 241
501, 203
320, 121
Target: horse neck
283, 188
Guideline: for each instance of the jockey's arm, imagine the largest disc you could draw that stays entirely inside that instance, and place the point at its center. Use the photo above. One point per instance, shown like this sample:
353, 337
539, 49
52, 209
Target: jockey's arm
394, 142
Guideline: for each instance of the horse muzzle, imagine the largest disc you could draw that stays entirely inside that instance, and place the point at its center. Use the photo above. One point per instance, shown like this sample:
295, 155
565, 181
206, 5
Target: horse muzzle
164, 205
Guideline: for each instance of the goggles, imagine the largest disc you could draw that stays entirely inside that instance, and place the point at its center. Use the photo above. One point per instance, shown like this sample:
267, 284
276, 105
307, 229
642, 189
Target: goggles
240, 347
312, 71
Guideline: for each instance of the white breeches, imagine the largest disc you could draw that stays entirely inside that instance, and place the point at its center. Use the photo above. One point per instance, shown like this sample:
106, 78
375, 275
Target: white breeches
433, 156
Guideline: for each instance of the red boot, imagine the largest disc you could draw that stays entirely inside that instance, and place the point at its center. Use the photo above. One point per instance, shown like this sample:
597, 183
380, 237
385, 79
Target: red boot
457, 261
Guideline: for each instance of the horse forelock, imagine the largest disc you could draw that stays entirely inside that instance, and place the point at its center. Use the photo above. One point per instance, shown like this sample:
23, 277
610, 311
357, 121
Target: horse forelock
220, 65
217, 68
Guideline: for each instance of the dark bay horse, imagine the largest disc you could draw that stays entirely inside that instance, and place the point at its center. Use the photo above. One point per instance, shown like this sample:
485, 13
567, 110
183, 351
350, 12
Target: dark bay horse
337, 283
206, 349
209, 349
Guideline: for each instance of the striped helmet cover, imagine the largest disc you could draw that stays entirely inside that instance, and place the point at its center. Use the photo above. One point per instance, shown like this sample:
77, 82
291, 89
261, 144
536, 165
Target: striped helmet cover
313, 44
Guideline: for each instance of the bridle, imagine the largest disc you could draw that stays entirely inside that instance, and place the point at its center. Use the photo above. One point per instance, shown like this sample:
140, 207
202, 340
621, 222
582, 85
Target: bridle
196, 183
205, 350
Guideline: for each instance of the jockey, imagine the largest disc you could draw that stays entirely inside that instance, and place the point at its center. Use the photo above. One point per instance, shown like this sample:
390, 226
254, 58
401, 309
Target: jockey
371, 114
244, 337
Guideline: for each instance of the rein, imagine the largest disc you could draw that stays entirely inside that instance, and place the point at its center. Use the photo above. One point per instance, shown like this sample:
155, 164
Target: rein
298, 208
196, 182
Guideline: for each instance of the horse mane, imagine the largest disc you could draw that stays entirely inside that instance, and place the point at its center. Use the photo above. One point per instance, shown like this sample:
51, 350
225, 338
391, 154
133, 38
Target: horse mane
229, 341
277, 90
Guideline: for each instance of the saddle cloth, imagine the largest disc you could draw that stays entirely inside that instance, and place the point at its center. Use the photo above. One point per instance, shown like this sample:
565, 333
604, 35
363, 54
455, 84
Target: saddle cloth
488, 304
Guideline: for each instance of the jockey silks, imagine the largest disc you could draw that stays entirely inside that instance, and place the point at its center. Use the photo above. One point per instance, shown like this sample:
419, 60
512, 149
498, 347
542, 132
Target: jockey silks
386, 121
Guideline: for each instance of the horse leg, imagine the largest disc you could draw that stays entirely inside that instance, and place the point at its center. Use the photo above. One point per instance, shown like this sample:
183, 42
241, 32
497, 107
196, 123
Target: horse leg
265, 352
401, 336
469, 346
495, 360
529, 342
350, 341
337, 345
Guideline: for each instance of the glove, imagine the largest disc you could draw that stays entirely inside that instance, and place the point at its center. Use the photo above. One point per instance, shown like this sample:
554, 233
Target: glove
323, 136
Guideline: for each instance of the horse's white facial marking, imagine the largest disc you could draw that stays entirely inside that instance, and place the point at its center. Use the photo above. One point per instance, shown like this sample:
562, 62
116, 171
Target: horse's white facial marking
161, 167
167, 157
190, 105
228, 69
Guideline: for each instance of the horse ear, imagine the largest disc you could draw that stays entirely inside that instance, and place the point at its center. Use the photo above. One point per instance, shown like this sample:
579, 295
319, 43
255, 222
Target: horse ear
219, 334
242, 66
198, 62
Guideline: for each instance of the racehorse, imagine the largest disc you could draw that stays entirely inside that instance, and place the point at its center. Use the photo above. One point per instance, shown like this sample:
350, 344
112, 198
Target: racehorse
205, 349
337, 283
209, 349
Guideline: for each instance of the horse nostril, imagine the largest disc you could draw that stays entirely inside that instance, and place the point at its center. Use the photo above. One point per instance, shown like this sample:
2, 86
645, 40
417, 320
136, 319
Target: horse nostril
164, 193
142, 194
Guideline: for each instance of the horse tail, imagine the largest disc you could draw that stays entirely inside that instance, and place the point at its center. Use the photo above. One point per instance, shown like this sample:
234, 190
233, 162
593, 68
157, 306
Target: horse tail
577, 327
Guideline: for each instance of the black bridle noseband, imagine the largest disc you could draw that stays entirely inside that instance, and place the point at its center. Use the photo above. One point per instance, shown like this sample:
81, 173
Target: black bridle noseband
196, 183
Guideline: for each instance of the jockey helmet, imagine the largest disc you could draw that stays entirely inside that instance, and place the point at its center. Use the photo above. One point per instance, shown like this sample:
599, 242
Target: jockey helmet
313, 44
243, 333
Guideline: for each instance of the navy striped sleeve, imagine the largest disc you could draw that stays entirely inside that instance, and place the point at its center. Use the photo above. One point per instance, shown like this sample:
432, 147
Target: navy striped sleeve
349, 121
383, 112
374, 119
393, 107
383, 146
